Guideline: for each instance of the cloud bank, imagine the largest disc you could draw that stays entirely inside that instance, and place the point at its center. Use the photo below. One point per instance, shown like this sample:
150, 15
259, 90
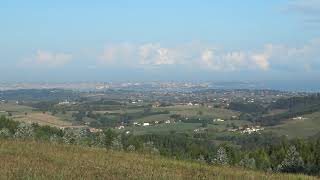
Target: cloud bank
154, 55
44, 58
211, 58
195, 56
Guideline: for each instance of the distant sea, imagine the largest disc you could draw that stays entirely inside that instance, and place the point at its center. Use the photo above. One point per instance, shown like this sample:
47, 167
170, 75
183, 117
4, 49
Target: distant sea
299, 86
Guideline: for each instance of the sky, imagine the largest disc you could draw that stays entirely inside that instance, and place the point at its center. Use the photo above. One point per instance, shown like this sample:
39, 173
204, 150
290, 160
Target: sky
169, 40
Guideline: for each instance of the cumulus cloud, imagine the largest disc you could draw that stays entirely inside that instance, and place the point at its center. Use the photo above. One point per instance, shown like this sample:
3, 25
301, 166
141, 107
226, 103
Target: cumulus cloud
149, 54
117, 54
48, 59
231, 61
210, 58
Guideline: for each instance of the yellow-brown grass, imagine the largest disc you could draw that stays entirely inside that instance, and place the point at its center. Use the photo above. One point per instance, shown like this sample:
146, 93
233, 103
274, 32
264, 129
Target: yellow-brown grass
43, 119
32, 160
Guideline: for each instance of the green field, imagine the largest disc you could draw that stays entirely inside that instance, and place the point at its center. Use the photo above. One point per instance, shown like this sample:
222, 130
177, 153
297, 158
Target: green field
53, 161
189, 111
15, 108
153, 118
299, 128
163, 128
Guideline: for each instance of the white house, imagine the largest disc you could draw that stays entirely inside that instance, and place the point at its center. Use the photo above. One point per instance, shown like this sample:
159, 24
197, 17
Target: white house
218, 120
299, 118
146, 124
190, 104
121, 127
94, 130
64, 102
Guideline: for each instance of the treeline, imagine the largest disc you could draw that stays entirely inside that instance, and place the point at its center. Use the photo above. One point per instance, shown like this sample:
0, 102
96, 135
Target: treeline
296, 156
294, 106
38, 95
296, 102
247, 107
113, 119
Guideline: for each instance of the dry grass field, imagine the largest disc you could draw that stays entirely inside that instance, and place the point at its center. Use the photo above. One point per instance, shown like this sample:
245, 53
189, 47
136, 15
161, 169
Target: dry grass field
43, 119
33, 160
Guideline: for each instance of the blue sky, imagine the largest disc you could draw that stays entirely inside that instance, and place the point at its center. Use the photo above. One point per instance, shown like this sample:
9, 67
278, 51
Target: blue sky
159, 40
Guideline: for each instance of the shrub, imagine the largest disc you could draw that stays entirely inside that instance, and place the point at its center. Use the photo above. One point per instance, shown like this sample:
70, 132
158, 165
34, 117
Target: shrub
292, 163
247, 162
5, 133
221, 157
116, 144
24, 131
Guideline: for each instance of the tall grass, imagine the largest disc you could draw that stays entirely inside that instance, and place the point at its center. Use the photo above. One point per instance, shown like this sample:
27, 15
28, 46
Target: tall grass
34, 160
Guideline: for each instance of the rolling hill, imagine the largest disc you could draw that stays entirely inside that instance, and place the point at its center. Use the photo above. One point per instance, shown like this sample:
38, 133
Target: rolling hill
35, 160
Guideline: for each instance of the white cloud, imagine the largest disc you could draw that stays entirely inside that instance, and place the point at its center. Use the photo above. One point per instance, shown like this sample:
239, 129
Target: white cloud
262, 61
117, 54
48, 59
210, 58
231, 61
154, 54
149, 54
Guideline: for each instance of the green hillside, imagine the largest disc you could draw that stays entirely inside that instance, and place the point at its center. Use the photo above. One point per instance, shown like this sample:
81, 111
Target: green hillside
34, 160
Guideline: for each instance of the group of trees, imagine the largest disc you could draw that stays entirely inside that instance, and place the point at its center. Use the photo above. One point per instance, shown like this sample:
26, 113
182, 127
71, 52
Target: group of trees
294, 106
297, 156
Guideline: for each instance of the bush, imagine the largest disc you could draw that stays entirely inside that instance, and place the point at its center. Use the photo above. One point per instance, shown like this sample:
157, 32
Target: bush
116, 144
5, 133
221, 157
292, 163
247, 162
24, 131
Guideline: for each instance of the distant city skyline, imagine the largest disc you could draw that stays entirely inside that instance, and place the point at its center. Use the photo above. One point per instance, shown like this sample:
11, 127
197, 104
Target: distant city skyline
72, 41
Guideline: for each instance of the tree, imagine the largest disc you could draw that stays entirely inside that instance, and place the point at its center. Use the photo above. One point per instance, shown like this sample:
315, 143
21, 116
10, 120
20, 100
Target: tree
201, 159
24, 131
293, 163
247, 162
150, 148
74, 136
221, 157
262, 160
5, 133
131, 148
116, 144
100, 140
54, 139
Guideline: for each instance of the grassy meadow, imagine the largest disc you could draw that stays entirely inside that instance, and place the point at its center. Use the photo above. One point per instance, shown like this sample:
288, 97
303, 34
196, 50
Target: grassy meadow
34, 160
299, 128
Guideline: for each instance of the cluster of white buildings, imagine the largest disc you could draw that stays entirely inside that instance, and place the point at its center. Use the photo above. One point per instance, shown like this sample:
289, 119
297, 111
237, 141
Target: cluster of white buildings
218, 120
136, 102
199, 130
95, 130
66, 102
141, 124
146, 124
299, 118
248, 130
251, 130
155, 122
191, 104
